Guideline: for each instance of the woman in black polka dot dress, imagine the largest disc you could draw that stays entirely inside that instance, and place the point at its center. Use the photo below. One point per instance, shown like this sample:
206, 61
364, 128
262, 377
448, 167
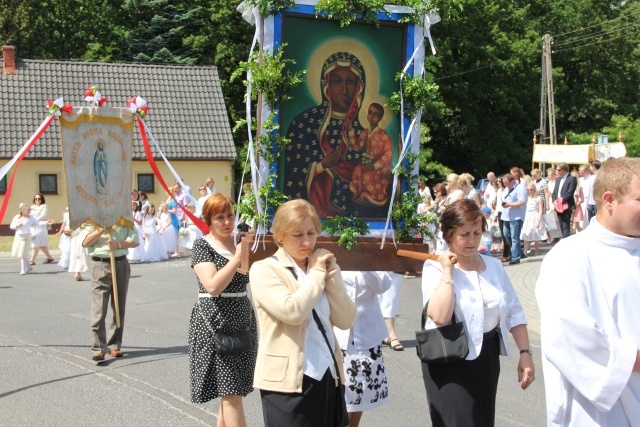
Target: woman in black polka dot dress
222, 305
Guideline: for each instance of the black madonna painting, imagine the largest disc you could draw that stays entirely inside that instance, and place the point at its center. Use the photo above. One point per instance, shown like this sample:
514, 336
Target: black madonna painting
344, 139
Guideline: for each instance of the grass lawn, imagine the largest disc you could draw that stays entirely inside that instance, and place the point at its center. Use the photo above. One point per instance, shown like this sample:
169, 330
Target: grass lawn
7, 241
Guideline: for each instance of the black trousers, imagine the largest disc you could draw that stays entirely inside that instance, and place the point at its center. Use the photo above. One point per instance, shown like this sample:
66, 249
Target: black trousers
564, 219
463, 394
314, 407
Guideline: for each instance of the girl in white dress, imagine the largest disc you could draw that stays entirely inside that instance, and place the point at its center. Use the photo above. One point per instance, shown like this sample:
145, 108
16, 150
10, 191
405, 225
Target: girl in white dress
78, 256
65, 240
22, 223
167, 230
533, 229
137, 253
153, 244
192, 232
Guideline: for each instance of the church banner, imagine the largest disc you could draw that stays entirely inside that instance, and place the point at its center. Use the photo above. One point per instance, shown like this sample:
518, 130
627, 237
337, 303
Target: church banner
96, 151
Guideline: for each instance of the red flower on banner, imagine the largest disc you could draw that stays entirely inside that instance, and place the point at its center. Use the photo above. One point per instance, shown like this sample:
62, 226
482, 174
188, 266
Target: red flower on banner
138, 106
55, 107
93, 96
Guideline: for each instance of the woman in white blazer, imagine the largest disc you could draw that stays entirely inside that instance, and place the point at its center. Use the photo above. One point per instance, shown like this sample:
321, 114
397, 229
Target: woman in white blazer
478, 291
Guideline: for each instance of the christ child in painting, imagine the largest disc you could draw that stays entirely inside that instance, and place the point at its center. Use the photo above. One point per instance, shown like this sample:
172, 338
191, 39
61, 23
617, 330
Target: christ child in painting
371, 179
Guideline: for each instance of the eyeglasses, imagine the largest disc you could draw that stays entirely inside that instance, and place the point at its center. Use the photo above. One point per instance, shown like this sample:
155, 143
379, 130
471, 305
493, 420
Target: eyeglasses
558, 170
37, 198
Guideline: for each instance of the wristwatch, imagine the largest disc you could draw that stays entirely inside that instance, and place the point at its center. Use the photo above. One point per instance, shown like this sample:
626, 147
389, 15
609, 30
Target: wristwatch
526, 350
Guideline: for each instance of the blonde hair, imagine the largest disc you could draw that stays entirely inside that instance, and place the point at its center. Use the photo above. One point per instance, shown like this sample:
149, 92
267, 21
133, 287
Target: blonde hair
454, 180
466, 178
616, 176
289, 215
535, 191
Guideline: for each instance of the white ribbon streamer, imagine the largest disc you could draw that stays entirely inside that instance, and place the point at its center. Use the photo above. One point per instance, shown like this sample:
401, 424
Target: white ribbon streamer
171, 169
429, 19
5, 169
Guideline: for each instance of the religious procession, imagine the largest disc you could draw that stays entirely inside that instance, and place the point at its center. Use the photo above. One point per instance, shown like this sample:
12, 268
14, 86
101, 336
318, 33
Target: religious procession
281, 238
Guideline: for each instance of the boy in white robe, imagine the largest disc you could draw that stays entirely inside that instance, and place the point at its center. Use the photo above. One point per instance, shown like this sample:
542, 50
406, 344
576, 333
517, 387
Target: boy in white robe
588, 292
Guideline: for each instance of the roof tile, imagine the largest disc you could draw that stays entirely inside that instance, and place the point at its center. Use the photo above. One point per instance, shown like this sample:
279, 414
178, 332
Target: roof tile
186, 110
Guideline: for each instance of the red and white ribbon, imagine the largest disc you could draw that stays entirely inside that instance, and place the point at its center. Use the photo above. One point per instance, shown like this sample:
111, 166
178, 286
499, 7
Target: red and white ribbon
18, 158
144, 131
94, 96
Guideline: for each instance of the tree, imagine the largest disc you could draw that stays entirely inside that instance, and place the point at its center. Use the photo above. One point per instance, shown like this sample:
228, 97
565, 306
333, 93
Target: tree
494, 108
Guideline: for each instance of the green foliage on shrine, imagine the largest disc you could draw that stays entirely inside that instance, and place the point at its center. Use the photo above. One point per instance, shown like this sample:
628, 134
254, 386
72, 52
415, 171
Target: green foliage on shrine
417, 93
269, 76
349, 228
406, 221
269, 7
347, 11
270, 199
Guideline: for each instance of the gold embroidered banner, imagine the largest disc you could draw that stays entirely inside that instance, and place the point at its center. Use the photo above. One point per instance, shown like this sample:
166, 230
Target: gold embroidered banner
96, 151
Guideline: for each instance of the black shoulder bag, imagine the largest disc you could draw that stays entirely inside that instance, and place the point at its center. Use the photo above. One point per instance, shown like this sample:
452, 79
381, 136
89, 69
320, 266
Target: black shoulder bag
445, 344
342, 416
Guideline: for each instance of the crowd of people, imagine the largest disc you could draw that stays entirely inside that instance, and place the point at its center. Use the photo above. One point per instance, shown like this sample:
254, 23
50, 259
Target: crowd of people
523, 210
309, 336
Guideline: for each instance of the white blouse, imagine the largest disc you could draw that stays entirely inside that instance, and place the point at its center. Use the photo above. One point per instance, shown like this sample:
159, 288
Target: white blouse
471, 299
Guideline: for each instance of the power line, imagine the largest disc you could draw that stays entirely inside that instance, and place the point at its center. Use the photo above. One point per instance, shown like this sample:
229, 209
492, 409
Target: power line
464, 72
602, 33
590, 44
595, 25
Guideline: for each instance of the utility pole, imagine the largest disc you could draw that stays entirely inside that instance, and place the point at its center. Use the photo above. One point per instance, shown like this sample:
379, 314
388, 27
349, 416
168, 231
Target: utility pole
547, 104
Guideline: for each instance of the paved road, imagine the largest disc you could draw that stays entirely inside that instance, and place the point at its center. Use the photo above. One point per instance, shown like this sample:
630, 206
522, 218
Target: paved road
48, 380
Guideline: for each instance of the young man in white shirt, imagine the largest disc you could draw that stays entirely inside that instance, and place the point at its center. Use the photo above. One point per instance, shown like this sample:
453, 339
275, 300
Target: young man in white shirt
588, 293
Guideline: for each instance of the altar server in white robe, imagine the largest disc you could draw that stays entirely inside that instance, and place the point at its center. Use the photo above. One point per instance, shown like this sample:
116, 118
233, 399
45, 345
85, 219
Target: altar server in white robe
588, 292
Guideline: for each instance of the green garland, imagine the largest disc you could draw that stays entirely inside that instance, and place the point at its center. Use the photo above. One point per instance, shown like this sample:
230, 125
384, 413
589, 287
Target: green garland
406, 221
348, 228
270, 7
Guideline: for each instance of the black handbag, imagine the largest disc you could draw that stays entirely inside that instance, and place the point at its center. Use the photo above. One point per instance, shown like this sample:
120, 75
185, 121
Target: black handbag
241, 341
237, 342
445, 344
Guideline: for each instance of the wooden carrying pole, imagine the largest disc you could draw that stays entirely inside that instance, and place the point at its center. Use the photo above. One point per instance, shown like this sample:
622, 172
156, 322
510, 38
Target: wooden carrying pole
116, 305
422, 255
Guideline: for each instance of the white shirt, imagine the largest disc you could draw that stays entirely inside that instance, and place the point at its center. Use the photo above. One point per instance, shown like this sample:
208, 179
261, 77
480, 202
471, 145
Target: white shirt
590, 199
591, 329
317, 358
369, 329
469, 305
560, 182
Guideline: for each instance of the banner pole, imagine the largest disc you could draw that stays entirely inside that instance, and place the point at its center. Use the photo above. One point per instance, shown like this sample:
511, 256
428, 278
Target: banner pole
116, 305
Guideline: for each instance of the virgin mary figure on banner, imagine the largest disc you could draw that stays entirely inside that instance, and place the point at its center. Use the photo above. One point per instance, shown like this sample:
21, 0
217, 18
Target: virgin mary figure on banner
320, 159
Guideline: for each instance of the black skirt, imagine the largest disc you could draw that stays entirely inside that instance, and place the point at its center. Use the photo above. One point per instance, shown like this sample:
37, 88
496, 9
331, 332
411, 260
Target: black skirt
314, 407
464, 393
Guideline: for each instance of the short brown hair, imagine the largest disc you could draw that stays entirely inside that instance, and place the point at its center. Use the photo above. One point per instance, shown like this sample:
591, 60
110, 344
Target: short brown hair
615, 176
216, 204
441, 188
289, 215
458, 214
563, 166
